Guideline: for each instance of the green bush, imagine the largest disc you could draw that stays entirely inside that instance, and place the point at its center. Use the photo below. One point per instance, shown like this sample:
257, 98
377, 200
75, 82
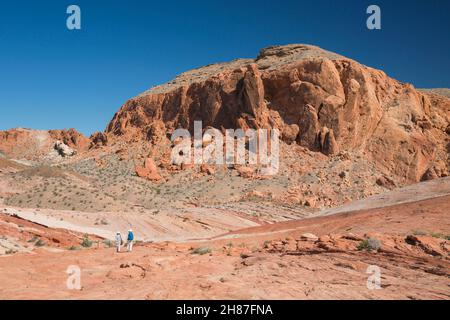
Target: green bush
369, 244
201, 250
419, 233
39, 243
108, 243
86, 243
34, 239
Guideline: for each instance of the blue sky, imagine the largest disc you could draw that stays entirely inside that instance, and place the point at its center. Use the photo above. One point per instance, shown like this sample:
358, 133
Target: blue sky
53, 78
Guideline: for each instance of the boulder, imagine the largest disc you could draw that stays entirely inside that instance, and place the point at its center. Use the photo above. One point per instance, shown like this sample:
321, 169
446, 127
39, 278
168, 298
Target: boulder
63, 149
385, 182
148, 171
209, 170
98, 139
245, 172
309, 237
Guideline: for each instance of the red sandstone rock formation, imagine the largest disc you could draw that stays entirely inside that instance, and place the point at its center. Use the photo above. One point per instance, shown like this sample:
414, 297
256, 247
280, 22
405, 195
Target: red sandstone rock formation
98, 139
71, 138
35, 144
317, 99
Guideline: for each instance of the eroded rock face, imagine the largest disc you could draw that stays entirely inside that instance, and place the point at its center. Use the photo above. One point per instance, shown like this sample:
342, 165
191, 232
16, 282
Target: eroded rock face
98, 139
71, 138
318, 99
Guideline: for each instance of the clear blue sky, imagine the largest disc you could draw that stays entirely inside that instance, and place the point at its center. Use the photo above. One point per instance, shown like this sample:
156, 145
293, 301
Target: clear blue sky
51, 77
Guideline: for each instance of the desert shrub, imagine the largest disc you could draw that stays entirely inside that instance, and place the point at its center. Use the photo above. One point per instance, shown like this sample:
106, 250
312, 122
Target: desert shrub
108, 243
39, 243
34, 239
437, 235
369, 244
419, 233
201, 250
73, 248
86, 243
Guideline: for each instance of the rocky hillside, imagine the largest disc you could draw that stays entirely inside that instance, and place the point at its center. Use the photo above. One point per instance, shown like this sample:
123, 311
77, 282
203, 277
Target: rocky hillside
318, 99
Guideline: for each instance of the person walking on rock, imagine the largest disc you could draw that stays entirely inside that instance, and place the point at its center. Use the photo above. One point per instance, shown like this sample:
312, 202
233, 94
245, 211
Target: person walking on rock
118, 241
130, 240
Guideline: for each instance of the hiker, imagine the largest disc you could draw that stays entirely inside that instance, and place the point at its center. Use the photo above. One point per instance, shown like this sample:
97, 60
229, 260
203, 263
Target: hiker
130, 240
118, 241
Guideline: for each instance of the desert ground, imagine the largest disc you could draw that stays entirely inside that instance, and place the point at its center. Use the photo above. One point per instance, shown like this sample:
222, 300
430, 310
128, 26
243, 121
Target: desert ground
314, 258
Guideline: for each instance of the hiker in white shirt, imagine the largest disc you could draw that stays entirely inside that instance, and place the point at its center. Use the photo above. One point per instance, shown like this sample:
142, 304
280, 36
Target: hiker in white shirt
118, 241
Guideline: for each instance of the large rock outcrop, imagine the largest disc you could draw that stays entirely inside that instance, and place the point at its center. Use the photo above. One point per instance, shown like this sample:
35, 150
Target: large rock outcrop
318, 99
72, 138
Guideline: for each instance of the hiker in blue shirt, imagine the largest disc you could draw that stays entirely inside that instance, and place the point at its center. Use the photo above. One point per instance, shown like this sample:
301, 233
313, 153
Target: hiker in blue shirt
130, 240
